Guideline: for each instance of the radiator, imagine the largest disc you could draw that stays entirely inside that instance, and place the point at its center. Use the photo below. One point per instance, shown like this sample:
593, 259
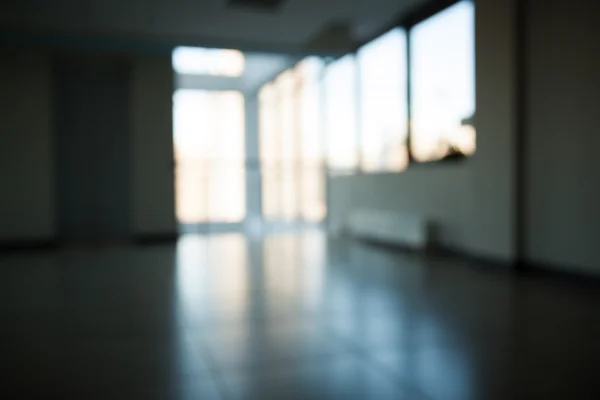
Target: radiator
389, 227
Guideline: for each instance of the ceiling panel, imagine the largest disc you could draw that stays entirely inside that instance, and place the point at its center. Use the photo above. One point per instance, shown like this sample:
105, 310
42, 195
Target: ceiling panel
204, 22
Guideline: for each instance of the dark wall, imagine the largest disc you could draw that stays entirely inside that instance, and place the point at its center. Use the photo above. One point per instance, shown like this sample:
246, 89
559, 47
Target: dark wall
27, 200
91, 102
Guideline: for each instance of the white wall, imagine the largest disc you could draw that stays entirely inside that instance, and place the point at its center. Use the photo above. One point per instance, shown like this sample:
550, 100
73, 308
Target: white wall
433, 192
152, 145
491, 218
27, 200
473, 202
563, 164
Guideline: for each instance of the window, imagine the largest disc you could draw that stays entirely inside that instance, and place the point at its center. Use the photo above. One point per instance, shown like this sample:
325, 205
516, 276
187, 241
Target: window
442, 63
312, 180
293, 185
202, 61
340, 109
210, 155
287, 85
268, 119
362, 107
383, 103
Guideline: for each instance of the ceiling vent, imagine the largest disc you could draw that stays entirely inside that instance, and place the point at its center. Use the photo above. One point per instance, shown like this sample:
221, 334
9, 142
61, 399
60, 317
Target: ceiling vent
259, 5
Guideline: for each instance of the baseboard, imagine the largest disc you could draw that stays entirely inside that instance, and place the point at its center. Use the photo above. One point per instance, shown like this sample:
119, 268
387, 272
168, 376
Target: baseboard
479, 259
389, 246
557, 272
25, 245
524, 268
518, 267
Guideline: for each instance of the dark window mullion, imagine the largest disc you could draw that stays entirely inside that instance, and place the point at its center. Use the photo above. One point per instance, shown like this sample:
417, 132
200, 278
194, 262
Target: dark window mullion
358, 120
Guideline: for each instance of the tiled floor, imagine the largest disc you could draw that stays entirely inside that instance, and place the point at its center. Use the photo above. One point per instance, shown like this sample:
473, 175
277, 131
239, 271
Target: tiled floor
292, 317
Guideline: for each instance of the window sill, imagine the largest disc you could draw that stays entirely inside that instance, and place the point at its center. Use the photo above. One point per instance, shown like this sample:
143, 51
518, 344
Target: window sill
450, 159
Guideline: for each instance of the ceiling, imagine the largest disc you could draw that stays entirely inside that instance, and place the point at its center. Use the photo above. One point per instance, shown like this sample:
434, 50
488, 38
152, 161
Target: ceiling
295, 26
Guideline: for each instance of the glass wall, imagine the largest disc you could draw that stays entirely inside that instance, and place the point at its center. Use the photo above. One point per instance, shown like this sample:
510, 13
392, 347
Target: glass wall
362, 108
341, 114
443, 84
210, 155
290, 145
268, 122
312, 143
383, 103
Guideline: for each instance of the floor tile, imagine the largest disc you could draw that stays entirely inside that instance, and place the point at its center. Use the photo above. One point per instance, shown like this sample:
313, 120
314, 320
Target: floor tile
263, 342
329, 378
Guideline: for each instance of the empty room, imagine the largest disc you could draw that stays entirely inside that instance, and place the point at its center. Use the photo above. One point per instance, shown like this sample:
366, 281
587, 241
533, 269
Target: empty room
299, 199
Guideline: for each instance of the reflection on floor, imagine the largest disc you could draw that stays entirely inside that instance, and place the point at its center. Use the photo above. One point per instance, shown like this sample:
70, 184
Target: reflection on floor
290, 316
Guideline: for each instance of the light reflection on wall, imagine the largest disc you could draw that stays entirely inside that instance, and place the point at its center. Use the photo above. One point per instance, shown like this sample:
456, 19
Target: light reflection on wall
443, 84
209, 146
